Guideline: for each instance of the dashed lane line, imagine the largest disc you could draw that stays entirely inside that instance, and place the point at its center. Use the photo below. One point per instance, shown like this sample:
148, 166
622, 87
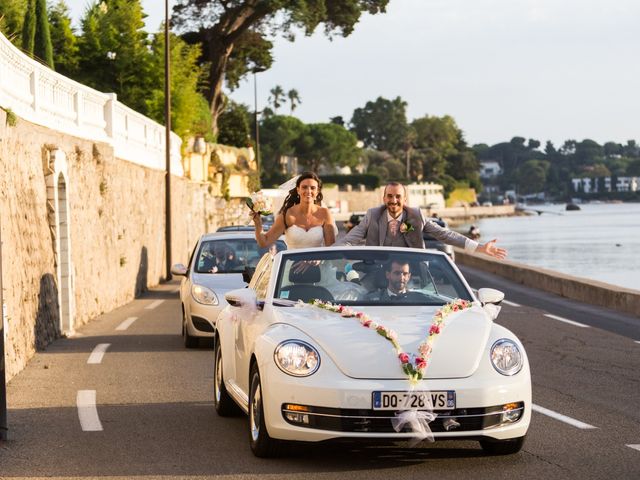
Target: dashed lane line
98, 352
127, 323
562, 418
154, 304
87, 412
511, 304
634, 446
566, 320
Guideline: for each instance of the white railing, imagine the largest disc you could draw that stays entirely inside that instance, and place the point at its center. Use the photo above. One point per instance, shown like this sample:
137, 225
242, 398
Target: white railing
41, 96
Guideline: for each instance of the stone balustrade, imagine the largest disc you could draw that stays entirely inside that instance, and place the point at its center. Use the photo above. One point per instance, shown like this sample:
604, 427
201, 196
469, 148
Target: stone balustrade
36, 93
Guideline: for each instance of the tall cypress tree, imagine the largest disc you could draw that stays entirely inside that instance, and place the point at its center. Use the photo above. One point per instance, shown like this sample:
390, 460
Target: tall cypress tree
29, 27
36, 38
42, 48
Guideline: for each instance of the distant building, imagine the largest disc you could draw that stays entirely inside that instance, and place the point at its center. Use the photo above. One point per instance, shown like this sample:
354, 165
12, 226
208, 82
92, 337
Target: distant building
605, 184
425, 195
490, 169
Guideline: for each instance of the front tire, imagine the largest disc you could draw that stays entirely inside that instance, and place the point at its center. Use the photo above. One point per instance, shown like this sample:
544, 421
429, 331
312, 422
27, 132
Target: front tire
502, 447
222, 401
189, 340
262, 445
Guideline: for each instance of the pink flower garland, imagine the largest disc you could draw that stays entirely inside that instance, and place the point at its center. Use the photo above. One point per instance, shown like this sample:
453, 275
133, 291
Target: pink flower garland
413, 365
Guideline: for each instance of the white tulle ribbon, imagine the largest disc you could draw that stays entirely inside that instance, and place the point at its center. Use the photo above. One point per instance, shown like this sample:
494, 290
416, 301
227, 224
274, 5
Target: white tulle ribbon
248, 304
417, 421
289, 184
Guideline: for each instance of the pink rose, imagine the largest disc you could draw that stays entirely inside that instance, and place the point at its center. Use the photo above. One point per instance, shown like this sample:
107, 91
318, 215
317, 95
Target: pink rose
434, 330
360, 314
366, 323
404, 358
421, 363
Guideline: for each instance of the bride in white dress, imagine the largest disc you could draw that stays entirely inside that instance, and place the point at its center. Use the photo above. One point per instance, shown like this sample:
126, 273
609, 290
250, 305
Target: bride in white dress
302, 219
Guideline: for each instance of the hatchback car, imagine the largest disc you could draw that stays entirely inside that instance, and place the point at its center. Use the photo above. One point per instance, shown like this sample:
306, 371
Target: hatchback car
292, 352
219, 262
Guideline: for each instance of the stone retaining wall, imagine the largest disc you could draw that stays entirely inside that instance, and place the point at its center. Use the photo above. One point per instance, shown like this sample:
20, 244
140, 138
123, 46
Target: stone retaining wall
83, 232
576, 288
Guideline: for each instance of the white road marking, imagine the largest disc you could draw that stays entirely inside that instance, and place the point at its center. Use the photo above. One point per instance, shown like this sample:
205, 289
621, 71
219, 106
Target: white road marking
562, 418
635, 447
566, 320
98, 353
87, 412
511, 304
127, 323
637, 341
154, 304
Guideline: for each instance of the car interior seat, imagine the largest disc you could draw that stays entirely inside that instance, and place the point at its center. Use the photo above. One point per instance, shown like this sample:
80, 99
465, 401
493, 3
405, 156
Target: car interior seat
303, 287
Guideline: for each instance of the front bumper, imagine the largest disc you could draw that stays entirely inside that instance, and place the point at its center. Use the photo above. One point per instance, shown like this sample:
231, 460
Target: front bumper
341, 407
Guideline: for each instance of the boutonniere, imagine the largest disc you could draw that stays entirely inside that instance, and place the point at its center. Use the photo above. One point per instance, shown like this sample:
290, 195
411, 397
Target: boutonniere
406, 227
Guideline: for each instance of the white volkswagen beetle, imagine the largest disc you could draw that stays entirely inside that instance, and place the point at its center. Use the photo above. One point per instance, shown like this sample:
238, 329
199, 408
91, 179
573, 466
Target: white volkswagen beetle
394, 337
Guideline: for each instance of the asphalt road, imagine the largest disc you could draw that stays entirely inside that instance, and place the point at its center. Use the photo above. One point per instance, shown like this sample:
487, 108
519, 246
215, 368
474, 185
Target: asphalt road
154, 416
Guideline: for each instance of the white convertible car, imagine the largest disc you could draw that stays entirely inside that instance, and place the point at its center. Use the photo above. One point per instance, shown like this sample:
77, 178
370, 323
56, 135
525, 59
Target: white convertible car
392, 331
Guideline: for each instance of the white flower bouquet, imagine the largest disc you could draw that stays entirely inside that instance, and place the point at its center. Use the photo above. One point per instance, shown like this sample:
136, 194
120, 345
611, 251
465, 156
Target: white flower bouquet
260, 203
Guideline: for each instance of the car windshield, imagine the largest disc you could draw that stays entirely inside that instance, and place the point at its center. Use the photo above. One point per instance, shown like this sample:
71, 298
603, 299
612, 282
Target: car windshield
369, 277
231, 255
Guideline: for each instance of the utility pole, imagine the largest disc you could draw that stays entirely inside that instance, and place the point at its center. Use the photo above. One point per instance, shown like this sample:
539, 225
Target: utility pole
255, 118
167, 122
3, 387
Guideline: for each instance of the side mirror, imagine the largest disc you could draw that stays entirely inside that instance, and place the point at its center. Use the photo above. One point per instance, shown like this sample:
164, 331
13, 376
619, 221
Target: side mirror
490, 295
179, 269
241, 297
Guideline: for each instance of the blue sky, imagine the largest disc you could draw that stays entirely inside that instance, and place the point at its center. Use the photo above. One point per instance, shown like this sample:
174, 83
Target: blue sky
543, 69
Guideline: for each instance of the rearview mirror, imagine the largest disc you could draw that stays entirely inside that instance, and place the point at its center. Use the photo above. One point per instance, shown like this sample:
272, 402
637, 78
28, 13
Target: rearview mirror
241, 297
179, 269
490, 295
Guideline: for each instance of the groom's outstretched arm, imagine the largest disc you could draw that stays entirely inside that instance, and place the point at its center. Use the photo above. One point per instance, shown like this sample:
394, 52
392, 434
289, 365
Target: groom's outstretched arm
458, 240
358, 234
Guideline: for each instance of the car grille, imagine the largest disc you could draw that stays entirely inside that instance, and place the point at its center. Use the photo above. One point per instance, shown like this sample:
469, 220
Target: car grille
374, 421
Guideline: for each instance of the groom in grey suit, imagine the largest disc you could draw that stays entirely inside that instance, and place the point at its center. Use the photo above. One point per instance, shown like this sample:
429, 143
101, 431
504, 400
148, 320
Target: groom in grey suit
396, 225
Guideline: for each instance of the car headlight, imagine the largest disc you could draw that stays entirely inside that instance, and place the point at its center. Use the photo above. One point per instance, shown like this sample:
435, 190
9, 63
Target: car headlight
203, 295
506, 357
297, 358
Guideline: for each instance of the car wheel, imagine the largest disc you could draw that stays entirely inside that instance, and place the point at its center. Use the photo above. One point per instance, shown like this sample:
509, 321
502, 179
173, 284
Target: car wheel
189, 340
502, 447
225, 406
262, 445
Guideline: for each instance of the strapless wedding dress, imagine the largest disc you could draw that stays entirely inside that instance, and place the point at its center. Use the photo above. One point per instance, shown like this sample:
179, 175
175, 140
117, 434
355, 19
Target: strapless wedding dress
298, 237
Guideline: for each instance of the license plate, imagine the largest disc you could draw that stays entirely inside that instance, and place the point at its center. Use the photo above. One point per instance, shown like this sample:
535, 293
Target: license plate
400, 400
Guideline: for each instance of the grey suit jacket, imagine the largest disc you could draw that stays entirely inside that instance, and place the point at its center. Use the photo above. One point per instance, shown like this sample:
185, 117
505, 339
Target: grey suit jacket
372, 230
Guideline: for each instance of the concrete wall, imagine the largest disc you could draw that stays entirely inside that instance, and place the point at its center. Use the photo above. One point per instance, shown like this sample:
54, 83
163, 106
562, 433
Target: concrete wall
83, 232
580, 289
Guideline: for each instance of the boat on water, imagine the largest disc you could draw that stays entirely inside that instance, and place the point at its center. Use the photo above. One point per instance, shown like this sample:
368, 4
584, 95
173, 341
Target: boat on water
572, 206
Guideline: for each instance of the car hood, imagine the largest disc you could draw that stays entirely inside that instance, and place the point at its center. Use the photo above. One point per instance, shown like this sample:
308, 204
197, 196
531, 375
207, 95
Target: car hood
360, 352
219, 282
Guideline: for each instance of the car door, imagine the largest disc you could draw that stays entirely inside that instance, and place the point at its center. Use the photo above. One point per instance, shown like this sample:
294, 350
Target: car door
247, 324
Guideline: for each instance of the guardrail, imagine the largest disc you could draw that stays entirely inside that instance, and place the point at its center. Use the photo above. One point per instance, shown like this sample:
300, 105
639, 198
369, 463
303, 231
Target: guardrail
39, 95
576, 288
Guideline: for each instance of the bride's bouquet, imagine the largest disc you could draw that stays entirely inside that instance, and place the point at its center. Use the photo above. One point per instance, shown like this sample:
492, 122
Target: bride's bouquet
260, 203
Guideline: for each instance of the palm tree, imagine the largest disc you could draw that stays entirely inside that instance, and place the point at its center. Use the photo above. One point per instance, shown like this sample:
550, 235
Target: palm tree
294, 99
276, 98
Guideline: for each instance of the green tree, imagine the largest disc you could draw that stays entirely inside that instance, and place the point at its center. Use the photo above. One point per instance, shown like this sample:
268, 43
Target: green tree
278, 134
276, 98
234, 125
11, 19
381, 124
36, 38
189, 110
633, 169
114, 52
532, 176
326, 145
63, 40
222, 23
294, 99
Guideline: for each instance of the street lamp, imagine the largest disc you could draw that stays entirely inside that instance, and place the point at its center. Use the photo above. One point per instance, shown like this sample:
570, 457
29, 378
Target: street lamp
255, 116
167, 134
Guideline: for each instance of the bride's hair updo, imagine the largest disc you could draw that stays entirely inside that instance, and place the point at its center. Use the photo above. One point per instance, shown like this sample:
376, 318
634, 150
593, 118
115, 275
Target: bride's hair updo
293, 198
